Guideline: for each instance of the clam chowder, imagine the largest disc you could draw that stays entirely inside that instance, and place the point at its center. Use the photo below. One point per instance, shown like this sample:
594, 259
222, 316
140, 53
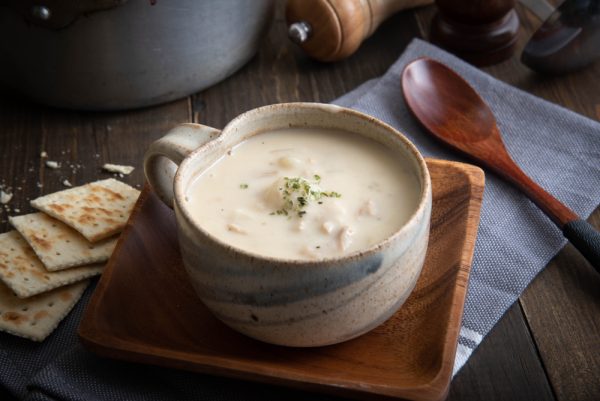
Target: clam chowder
304, 193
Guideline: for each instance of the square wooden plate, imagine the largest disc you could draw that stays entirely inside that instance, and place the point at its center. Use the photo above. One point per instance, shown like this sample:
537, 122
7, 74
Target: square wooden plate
144, 310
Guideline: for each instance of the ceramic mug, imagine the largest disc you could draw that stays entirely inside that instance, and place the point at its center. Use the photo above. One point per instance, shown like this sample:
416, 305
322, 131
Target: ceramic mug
285, 301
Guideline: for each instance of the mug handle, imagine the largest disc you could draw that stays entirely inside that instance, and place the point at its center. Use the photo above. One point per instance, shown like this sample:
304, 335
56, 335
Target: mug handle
164, 155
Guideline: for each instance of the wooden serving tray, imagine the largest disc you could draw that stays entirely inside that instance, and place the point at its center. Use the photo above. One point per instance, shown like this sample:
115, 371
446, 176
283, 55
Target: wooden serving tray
144, 310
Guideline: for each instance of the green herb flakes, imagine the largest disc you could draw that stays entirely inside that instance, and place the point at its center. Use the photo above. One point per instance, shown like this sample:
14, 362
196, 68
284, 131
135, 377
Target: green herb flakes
298, 192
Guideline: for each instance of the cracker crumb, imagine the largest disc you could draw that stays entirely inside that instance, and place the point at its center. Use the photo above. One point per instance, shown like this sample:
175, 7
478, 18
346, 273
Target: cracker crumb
52, 164
17, 210
39, 185
116, 168
5, 197
66, 183
43, 154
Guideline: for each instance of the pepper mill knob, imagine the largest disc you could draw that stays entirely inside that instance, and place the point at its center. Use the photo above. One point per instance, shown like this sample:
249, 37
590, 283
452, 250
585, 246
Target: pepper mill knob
331, 30
299, 32
481, 32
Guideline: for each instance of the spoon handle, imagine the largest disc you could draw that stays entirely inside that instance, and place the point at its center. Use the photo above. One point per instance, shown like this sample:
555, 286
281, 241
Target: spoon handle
503, 164
581, 234
586, 239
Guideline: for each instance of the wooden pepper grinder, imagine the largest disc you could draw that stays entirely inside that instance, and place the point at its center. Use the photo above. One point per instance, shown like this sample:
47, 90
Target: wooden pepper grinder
330, 30
482, 32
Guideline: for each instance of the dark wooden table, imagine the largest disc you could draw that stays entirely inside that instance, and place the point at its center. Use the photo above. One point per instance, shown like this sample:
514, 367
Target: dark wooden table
546, 347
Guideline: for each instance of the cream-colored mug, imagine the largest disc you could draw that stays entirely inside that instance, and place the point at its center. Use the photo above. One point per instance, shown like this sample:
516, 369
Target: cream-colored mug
287, 301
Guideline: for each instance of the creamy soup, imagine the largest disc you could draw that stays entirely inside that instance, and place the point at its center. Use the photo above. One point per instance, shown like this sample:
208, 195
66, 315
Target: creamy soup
304, 194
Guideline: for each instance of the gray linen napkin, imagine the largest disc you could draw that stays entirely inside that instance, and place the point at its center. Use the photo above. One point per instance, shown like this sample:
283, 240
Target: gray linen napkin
556, 147
515, 242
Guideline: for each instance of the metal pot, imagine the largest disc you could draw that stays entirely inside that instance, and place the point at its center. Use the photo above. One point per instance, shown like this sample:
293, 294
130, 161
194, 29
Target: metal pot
120, 54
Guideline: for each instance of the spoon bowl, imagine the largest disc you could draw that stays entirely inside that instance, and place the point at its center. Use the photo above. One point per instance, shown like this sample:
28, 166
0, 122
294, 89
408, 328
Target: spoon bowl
431, 88
450, 109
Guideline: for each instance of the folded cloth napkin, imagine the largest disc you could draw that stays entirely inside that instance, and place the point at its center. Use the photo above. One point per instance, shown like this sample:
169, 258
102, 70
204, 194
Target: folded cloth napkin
515, 242
556, 147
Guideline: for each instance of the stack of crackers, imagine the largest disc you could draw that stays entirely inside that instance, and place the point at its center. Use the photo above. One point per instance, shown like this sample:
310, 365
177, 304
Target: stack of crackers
46, 263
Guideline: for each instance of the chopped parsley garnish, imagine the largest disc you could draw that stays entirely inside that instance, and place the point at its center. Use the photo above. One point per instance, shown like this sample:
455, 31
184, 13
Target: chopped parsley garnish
244, 186
298, 192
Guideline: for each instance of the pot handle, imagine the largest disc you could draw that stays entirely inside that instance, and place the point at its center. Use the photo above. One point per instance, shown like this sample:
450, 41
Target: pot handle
164, 155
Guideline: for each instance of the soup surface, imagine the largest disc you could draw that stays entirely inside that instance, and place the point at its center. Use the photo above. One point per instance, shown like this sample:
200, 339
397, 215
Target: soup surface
303, 193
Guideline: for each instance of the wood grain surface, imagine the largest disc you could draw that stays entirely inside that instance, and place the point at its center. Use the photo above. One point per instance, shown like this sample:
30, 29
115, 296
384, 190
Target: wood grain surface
145, 310
542, 349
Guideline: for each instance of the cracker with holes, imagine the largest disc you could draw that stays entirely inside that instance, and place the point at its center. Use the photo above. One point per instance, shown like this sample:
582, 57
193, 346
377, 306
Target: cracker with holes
59, 246
24, 273
36, 317
97, 210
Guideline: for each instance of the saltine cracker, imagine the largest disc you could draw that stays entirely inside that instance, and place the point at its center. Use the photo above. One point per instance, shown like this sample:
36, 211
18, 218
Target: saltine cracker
36, 317
59, 246
97, 210
24, 273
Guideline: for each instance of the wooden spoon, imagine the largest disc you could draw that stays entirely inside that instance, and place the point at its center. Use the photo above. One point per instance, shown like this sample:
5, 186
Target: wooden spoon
453, 112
